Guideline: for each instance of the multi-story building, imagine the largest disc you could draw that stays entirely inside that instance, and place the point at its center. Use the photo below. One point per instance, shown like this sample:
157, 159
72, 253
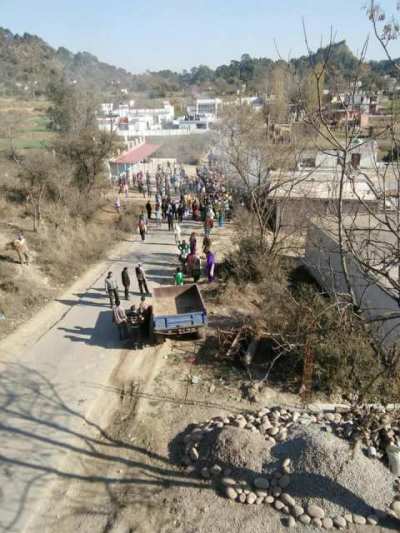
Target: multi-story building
128, 120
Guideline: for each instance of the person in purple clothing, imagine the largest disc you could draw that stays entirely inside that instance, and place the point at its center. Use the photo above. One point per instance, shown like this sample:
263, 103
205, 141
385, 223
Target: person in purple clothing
210, 266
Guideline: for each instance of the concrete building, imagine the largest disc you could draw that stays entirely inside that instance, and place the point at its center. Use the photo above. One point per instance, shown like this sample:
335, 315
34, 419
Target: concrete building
301, 196
129, 121
377, 300
208, 106
314, 189
363, 155
107, 108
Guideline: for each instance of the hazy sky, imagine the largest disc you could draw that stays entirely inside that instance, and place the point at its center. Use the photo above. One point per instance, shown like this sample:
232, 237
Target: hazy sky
144, 35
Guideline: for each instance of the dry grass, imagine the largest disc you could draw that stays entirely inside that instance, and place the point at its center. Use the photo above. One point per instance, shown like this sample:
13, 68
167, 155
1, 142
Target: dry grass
65, 246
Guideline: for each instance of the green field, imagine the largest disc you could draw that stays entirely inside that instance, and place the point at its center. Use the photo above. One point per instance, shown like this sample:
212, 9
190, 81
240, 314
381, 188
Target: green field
26, 122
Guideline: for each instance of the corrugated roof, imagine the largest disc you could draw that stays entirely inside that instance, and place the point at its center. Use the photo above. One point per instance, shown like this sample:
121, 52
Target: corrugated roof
137, 154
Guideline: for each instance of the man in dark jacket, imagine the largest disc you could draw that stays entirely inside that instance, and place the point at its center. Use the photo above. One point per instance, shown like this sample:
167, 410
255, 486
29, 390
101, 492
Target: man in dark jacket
170, 219
126, 281
148, 209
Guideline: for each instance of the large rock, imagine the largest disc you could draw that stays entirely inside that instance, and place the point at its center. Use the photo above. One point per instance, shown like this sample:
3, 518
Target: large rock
216, 470
229, 482
287, 499
327, 523
316, 522
297, 511
231, 493
395, 506
261, 483
279, 505
305, 519
340, 522
251, 498
360, 520
315, 511
284, 481
291, 522
372, 520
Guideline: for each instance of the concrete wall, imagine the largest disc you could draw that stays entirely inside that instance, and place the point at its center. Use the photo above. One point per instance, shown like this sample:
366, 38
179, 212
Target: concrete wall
322, 258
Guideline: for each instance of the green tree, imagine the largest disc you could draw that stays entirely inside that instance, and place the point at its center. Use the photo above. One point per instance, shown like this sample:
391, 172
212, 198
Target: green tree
87, 152
71, 108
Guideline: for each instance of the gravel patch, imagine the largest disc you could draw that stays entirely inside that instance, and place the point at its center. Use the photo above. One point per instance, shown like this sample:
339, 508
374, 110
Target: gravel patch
243, 452
331, 474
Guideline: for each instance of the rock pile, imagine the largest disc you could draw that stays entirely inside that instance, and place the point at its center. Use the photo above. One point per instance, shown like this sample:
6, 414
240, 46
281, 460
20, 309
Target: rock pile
295, 461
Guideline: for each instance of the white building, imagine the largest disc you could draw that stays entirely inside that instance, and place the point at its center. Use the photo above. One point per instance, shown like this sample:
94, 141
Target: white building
363, 155
208, 106
107, 108
129, 121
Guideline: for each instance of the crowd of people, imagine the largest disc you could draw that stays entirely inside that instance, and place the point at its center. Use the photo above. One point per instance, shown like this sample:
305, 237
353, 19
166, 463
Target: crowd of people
173, 197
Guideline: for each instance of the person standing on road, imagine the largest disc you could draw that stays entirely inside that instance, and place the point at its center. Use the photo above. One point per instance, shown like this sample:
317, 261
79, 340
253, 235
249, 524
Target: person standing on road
206, 244
120, 319
210, 266
117, 205
111, 288
141, 278
158, 217
181, 212
178, 233
196, 269
142, 227
170, 220
148, 209
193, 243
126, 281
179, 278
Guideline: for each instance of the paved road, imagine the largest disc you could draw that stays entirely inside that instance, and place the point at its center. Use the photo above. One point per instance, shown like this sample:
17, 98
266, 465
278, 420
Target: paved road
54, 371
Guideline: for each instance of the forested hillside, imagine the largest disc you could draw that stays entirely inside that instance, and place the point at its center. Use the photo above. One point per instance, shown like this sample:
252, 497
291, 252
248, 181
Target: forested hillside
28, 64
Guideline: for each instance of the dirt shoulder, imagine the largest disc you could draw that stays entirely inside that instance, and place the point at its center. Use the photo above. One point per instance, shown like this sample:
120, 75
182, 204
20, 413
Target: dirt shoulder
58, 258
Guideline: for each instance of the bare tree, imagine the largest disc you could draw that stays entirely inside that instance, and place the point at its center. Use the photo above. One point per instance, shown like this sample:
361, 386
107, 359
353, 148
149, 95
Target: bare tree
367, 236
41, 174
262, 169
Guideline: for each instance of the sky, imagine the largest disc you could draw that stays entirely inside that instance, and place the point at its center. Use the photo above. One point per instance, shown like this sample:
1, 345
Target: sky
141, 35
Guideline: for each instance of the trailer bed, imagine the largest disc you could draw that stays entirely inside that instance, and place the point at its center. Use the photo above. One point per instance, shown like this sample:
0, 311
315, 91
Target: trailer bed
178, 309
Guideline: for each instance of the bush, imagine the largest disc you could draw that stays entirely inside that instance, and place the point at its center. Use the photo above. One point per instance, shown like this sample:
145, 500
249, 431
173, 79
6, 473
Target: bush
344, 360
128, 219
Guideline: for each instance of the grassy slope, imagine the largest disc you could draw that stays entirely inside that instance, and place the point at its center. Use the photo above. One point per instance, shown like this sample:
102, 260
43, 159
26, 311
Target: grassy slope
30, 123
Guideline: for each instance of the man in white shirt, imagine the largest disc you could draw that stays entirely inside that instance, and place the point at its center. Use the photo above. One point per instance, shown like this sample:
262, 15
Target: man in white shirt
120, 319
